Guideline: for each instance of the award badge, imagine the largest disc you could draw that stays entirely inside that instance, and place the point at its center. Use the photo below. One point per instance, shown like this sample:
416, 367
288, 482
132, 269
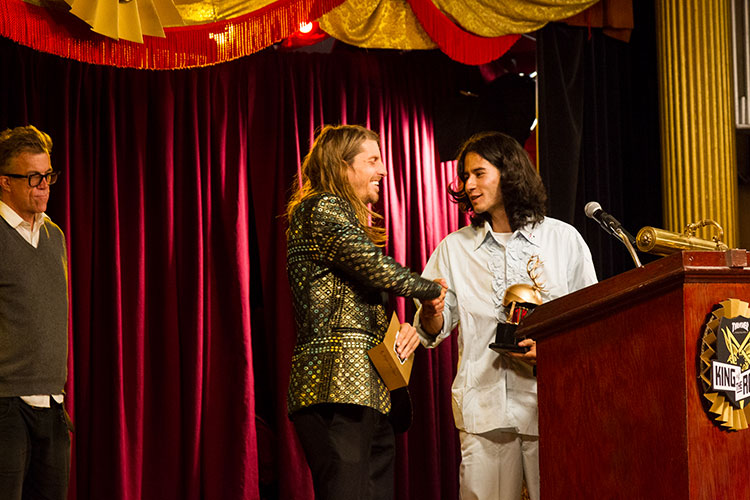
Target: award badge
725, 364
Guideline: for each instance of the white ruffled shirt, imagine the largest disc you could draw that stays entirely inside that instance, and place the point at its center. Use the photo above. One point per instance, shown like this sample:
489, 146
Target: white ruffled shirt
492, 391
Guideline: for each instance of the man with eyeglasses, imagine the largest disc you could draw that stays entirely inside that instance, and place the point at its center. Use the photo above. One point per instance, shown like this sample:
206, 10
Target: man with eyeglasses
34, 429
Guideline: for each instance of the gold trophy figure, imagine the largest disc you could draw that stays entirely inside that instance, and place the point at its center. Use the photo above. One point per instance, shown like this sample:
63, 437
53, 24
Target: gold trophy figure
519, 300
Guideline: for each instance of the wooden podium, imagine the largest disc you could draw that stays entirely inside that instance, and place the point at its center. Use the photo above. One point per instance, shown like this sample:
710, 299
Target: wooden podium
621, 408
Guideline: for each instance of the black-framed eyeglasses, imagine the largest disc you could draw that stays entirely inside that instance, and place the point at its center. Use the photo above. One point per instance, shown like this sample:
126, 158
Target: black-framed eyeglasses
36, 178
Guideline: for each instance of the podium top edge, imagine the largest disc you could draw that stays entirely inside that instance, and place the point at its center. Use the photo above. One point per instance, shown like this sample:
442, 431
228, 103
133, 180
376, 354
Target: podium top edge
657, 277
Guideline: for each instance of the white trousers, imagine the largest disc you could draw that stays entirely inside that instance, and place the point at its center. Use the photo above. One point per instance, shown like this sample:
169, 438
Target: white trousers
494, 464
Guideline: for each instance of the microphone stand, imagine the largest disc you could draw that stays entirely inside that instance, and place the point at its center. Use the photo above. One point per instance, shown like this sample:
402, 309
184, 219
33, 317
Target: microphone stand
626, 241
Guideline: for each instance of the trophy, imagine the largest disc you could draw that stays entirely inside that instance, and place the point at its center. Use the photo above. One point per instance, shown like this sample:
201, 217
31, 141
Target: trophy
519, 300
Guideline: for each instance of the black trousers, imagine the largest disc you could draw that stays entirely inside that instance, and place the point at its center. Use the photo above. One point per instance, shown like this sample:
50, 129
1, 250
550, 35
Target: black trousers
350, 450
34, 451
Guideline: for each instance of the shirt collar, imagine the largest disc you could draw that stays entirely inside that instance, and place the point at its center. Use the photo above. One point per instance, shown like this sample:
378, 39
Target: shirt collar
483, 232
15, 220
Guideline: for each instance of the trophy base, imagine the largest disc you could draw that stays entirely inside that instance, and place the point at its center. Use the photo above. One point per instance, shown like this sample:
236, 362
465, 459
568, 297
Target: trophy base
506, 340
501, 348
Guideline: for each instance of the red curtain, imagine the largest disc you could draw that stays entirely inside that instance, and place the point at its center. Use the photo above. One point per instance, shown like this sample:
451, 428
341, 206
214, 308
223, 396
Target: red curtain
154, 203
172, 198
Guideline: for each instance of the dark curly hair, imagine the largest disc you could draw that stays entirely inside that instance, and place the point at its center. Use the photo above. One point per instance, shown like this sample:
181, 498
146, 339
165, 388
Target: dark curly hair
523, 192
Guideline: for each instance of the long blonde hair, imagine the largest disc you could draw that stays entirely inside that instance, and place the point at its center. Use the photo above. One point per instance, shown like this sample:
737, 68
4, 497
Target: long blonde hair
325, 170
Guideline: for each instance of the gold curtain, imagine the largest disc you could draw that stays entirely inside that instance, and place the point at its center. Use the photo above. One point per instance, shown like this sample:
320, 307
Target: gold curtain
376, 24
364, 23
506, 17
392, 24
203, 11
469, 31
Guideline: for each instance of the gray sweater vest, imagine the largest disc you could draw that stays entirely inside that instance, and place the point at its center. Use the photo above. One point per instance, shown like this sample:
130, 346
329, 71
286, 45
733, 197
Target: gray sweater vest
33, 312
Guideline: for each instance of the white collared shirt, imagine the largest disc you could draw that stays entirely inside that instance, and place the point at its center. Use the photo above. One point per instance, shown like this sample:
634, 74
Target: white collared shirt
491, 391
31, 235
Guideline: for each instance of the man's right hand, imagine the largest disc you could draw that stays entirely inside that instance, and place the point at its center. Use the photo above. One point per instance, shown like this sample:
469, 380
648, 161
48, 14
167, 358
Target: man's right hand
431, 314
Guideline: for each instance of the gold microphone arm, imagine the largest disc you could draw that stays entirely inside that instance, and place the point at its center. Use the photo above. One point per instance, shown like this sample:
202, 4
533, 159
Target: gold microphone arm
626, 241
662, 242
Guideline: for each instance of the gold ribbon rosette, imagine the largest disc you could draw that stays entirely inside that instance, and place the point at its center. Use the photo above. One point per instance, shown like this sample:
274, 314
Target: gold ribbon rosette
725, 364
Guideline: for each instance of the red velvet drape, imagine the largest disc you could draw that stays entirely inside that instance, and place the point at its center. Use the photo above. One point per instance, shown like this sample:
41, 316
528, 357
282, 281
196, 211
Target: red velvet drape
172, 198
154, 203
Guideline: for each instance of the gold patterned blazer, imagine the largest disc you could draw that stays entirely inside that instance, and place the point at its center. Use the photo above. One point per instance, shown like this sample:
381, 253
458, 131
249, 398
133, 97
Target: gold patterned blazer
337, 275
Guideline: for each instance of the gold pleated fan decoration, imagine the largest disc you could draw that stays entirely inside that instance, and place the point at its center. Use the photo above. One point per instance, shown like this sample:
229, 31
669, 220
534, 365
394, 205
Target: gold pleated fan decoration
127, 20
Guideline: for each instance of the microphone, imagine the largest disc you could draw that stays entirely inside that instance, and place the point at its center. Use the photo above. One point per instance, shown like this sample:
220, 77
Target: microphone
606, 221
613, 227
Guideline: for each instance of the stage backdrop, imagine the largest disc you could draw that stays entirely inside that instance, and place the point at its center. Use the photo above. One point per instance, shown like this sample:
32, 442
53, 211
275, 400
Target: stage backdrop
173, 189
172, 198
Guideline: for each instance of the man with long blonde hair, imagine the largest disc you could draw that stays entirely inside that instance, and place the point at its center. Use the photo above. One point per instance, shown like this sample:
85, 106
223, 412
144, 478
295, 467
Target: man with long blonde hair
337, 401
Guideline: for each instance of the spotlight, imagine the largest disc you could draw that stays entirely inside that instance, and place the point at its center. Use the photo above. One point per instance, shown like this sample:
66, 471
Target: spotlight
308, 34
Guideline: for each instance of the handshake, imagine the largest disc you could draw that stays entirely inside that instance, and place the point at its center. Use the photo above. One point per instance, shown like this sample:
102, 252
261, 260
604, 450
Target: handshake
431, 314
407, 339
431, 318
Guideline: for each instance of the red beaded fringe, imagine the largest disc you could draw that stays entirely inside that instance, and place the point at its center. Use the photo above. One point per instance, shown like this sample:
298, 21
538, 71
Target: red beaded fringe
60, 33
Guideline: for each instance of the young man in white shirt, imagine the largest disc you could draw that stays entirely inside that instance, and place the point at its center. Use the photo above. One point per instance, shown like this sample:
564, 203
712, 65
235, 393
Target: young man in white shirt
494, 395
